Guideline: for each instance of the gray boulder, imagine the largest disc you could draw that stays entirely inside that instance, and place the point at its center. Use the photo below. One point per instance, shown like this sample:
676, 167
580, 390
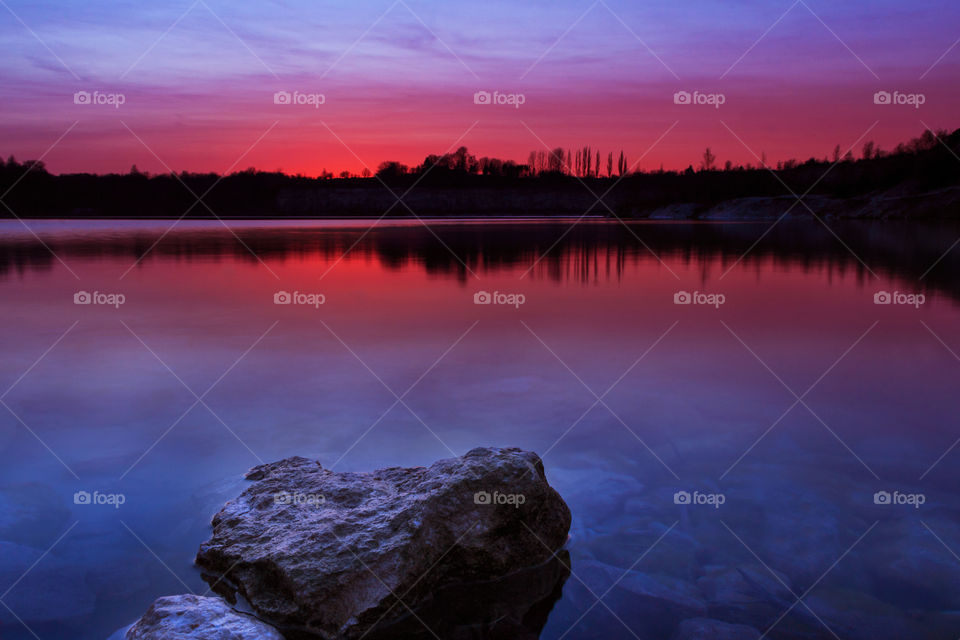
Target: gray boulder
189, 617
336, 555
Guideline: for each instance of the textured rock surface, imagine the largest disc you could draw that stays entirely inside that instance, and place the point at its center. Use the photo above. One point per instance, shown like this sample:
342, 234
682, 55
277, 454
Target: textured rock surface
328, 554
190, 617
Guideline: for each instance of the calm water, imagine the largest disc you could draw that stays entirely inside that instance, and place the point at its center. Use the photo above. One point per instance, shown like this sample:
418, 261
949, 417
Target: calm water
693, 398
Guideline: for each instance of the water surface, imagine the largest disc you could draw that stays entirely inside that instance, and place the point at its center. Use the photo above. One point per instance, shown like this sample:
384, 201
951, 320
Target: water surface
796, 399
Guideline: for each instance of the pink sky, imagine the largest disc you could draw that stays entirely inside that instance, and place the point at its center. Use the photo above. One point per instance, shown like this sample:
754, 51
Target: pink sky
398, 81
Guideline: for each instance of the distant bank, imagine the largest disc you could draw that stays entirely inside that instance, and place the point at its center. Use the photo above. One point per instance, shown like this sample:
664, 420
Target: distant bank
917, 180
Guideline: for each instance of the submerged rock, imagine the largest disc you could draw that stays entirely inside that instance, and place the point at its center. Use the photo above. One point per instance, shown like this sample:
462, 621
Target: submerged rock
650, 604
336, 555
36, 579
190, 617
515, 607
707, 629
747, 594
30, 512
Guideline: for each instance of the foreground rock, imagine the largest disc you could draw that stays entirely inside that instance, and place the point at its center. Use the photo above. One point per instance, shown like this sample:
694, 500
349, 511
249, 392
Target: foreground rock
197, 618
336, 555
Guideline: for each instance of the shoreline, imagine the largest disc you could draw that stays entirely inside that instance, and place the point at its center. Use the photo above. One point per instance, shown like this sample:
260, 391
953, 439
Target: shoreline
934, 205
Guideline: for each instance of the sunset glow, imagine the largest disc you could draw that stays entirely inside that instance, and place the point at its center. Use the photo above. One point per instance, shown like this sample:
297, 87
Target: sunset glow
398, 81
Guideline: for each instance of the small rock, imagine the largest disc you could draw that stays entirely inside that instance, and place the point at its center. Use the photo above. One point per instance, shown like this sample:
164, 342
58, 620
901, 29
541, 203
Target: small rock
189, 617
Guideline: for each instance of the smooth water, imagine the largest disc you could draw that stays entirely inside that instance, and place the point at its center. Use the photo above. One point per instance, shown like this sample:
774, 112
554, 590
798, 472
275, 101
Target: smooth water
793, 402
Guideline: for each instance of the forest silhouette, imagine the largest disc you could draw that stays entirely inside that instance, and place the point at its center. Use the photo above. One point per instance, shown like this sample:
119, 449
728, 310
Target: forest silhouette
558, 182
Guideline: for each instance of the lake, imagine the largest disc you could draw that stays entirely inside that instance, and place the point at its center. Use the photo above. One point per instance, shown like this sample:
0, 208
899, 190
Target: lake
737, 415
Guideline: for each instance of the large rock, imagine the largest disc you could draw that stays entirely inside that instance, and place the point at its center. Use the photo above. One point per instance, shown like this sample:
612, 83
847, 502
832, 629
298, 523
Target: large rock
334, 555
190, 617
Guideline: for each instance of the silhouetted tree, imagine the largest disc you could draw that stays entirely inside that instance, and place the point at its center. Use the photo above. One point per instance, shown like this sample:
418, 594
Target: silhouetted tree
390, 170
706, 164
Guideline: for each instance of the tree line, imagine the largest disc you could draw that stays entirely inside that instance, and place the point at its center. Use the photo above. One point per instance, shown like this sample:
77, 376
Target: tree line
926, 162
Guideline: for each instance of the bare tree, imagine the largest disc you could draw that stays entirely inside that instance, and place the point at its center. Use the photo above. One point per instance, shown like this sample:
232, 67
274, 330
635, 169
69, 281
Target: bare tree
708, 160
555, 161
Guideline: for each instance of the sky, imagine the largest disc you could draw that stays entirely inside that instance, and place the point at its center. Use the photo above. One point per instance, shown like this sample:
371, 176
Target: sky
201, 85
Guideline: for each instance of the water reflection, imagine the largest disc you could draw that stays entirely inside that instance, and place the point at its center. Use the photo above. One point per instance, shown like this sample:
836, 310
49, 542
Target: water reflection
561, 251
693, 399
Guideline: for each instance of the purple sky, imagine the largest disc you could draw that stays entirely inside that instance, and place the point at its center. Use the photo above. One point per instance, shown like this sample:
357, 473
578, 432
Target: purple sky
398, 80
